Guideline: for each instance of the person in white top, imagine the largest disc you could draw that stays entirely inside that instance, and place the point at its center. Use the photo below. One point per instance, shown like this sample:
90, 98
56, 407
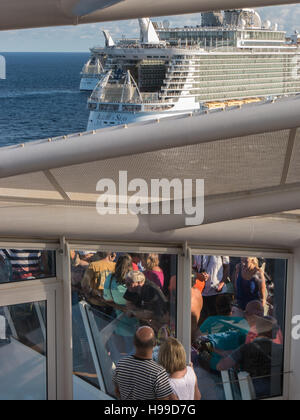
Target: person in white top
215, 272
183, 380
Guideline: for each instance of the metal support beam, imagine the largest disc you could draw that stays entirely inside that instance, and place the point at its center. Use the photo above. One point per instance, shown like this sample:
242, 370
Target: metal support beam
67, 362
235, 207
20, 14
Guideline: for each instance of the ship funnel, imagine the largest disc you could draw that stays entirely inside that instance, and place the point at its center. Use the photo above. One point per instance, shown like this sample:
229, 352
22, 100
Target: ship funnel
148, 32
109, 42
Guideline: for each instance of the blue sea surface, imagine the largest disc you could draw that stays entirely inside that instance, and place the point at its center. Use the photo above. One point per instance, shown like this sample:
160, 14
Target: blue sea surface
40, 97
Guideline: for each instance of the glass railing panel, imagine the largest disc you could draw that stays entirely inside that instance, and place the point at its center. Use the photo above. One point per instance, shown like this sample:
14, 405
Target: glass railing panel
107, 311
238, 346
23, 352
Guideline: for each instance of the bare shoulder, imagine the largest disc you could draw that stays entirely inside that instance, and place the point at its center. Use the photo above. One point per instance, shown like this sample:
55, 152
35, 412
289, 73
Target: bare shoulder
196, 294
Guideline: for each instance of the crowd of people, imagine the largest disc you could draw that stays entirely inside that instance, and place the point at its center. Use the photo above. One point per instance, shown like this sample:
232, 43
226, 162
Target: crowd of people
132, 285
232, 323
233, 317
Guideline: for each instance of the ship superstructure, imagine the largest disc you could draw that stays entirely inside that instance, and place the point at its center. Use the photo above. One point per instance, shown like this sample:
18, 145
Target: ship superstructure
231, 59
91, 74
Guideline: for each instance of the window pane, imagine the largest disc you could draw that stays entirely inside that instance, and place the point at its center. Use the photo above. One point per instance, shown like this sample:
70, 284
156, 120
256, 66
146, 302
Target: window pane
107, 312
238, 344
21, 265
23, 354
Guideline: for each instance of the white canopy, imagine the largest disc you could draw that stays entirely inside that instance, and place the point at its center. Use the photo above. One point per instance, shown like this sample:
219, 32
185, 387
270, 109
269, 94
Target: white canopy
17, 14
249, 159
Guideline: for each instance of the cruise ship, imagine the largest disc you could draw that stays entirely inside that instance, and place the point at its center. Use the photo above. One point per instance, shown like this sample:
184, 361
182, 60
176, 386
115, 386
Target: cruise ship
91, 74
232, 58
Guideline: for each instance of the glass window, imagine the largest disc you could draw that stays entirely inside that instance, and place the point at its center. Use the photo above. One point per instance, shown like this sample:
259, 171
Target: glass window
114, 293
21, 265
238, 340
23, 354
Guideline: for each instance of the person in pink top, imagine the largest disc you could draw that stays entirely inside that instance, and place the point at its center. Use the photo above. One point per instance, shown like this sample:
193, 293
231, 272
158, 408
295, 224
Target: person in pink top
153, 271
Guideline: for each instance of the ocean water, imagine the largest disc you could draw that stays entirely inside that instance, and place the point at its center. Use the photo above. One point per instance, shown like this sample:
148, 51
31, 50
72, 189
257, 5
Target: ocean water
40, 97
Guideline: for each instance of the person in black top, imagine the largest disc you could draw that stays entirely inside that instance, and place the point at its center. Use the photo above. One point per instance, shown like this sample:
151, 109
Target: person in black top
262, 359
146, 300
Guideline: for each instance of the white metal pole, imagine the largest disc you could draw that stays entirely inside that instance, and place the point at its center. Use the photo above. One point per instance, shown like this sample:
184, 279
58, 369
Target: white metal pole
66, 321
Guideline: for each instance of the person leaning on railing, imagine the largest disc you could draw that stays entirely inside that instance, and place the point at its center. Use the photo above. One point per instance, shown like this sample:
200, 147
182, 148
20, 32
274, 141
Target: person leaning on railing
146, 301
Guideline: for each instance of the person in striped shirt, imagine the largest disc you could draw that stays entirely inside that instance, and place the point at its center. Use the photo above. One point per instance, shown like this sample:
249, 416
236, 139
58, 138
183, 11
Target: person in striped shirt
139, 377
25, 264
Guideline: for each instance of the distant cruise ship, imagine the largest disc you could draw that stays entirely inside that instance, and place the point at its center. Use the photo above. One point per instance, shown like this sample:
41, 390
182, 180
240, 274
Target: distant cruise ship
230, 60
91, 74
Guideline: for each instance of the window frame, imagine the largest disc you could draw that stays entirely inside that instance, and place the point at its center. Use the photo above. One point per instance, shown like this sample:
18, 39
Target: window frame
269, 254
45, 289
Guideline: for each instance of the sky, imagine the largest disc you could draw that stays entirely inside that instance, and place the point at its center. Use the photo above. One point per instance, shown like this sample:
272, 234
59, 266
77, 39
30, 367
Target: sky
81, 38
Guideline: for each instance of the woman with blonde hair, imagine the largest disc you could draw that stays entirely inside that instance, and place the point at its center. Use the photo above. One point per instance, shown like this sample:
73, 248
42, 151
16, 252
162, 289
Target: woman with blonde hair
183, 380
250, 282
153, 271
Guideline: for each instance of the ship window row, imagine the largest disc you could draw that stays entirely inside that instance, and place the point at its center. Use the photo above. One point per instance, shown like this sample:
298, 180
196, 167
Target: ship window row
236, 94
231, 82
209, 75
216, 71
263, 35
237, 57
197, 34
225, 34
243, 70
243, 91
250, 43
109, 107
243, 86
231, 71
231, 92
215, 78
246, 94
232, 67
263, 90
227, 86
177, 66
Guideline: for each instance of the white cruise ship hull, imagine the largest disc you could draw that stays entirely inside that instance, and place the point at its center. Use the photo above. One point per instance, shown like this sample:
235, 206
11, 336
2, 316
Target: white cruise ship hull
99, 120
88, 84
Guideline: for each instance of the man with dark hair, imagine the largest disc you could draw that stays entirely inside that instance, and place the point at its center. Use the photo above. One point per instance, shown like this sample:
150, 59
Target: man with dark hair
138, 377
